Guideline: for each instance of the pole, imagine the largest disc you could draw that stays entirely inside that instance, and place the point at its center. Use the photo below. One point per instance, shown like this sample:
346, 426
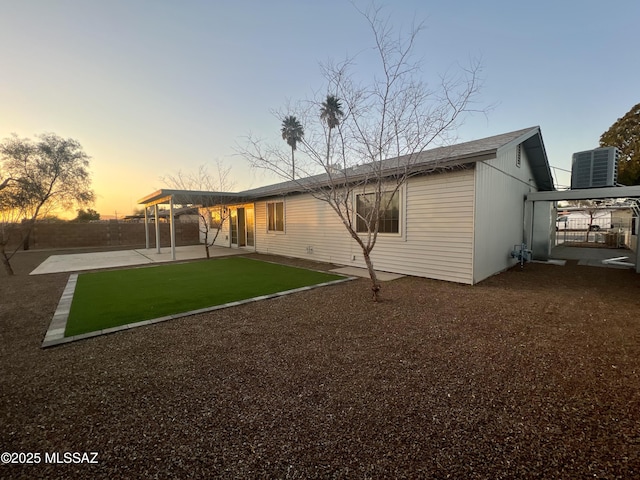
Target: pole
146, 227
172, 228
157, 229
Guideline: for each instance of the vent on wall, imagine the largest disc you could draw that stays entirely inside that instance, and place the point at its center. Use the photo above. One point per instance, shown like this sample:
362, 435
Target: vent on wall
595, 168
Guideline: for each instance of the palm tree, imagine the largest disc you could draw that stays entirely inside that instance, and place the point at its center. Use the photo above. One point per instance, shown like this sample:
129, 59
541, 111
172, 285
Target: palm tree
292, 133
331, 112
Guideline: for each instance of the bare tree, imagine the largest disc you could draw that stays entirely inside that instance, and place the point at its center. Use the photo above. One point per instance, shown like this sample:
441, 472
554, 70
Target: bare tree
5, 183
12, 233
41, 176
594, 209
211, 218
358, 164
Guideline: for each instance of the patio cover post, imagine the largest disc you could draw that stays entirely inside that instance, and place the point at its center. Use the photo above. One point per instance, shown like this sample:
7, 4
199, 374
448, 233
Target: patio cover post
157, 228
146, 227
172, 228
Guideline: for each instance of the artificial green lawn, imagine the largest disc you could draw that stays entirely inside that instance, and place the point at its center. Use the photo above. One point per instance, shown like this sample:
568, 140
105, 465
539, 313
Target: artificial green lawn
118, 297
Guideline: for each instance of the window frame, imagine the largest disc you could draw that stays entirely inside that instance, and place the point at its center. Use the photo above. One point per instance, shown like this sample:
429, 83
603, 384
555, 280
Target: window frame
273, 213
400, 208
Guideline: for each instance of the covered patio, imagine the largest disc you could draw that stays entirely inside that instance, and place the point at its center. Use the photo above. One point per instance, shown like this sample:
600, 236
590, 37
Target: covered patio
194, 198
540, 201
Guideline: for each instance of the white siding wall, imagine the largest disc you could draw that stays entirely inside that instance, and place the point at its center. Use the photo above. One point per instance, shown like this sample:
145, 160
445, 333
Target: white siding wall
436, 239
312, 230
499, 222
223, 239
439, 236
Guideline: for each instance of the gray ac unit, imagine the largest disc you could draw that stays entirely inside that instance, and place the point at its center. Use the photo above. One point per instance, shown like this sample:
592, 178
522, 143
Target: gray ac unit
595, 168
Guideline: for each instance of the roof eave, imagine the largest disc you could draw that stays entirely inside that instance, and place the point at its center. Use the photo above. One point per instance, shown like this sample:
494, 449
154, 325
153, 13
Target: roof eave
413, 170
537, 155
196, 197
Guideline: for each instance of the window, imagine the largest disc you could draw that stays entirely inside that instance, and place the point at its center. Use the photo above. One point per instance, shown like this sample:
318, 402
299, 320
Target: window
215, 216
388, 218
275, 216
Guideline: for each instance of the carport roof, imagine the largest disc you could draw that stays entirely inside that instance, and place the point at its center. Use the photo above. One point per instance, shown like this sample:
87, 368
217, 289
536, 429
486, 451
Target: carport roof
190, 197
600, 193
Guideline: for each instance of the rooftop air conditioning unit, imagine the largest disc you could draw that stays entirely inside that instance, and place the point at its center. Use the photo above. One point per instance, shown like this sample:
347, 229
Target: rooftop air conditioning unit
595, 168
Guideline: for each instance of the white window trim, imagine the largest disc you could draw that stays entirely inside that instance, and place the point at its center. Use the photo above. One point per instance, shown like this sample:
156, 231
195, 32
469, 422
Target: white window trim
284, 217
401, 214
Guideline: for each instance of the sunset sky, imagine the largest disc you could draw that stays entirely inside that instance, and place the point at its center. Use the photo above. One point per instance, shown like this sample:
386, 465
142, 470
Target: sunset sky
150, 87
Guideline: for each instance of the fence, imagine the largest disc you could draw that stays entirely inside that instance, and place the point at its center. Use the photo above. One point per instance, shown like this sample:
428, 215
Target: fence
610, 232
104, 234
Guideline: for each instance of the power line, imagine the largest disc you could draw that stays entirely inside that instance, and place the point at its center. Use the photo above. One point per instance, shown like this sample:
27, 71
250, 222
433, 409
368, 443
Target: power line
509, 175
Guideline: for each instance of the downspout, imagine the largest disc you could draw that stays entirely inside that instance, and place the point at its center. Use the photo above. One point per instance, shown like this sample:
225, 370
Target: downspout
529, 241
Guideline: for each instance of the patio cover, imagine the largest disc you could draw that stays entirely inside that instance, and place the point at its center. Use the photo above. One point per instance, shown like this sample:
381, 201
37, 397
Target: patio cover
180, 197
601, 193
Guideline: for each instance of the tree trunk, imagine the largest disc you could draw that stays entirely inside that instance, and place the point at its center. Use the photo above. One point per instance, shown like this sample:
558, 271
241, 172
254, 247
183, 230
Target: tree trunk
205, 230
589, 229
5, 261
206, 242
217, 232
366, 252
375, 286
293, 163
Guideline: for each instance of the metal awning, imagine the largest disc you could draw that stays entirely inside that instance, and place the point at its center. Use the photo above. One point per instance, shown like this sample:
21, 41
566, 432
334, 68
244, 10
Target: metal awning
585, 194
600, 193
189, 197
179, 197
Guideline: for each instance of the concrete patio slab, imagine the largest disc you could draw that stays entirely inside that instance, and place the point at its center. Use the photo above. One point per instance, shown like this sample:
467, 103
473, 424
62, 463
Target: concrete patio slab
364, 273
593, 257
76, 262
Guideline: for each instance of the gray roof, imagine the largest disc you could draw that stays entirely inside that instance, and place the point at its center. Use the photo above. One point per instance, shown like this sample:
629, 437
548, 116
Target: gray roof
424, 162
436, 159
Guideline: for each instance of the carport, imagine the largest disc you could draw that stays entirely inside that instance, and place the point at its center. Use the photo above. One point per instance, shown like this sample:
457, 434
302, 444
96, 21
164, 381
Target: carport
540, 202
194, 198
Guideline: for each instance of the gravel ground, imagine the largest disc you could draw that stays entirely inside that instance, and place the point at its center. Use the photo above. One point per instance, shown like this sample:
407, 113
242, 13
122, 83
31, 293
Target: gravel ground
531, 374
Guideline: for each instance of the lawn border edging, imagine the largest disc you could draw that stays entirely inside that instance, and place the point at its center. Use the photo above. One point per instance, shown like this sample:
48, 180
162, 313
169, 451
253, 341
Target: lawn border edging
55, 333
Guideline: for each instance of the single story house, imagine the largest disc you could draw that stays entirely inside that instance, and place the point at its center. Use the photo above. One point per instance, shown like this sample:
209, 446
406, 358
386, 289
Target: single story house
457, 218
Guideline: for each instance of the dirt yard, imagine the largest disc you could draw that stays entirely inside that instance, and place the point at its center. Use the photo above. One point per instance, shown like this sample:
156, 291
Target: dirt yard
531, 374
